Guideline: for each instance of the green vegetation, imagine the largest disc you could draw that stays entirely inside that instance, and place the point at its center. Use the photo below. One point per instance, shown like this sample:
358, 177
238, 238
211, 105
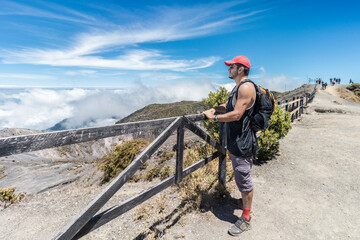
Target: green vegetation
215, 99
355, 87
165, 172
7, 196
2, 175
166, 156
278, 128
201, 187
121, 157
154, 111
152, 173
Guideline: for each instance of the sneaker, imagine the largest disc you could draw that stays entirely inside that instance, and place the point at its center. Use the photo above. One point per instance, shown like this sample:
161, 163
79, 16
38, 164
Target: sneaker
241, 225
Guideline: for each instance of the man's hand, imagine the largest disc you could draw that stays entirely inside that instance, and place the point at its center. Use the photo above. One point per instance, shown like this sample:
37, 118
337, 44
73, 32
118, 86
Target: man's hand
210, 113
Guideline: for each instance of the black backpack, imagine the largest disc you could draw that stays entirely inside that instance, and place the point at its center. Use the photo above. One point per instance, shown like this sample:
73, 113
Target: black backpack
264, 106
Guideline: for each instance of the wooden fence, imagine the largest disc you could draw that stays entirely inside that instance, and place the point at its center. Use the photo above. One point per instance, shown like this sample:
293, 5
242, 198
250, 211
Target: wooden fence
297, 104
87, 221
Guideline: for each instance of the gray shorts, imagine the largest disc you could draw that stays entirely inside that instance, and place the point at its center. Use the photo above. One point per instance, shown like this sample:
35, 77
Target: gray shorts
242, 169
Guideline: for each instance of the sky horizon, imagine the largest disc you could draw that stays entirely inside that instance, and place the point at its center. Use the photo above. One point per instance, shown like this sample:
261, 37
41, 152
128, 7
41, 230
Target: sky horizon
117, 44
67, 51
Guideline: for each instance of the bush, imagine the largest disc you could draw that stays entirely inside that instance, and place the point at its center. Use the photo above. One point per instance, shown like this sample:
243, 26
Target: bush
152, 173
278, 128
121, 157
213, 100
7, 196
165, 172
355, 87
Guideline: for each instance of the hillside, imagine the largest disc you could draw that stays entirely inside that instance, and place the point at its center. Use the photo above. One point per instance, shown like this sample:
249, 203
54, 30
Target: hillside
154, 111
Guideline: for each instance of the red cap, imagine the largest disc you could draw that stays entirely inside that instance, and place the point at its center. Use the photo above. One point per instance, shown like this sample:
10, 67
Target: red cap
239, 59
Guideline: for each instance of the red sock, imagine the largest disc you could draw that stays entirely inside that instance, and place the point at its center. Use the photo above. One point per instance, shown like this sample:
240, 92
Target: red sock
246, 213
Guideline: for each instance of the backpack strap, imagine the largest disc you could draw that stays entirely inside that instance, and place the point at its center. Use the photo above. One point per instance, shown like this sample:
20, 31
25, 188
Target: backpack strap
244, 81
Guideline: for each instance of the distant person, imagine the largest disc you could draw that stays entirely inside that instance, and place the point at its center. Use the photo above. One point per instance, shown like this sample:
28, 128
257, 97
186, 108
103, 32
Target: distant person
325, 85
241, 139
330, 81
350, 82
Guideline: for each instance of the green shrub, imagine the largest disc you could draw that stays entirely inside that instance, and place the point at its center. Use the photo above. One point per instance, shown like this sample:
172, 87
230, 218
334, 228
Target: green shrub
7, 196
166, 156
278, 128
165, 172
152, 173
121, 157
213, 100
353, 86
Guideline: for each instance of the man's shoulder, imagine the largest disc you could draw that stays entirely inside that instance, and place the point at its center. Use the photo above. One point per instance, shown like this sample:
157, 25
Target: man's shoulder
246, 87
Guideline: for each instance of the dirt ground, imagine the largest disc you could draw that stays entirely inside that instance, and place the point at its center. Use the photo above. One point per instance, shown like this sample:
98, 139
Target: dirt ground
310, 191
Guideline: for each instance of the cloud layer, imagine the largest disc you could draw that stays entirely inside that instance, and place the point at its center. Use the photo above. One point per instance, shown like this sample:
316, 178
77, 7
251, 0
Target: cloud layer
38, 108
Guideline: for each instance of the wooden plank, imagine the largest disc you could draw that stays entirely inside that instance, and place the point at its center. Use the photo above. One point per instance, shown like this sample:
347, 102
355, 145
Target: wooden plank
200, 163
33, 142
297, 109
222, 157
116, 211
179, 153
71, 229
202, 134
294, 101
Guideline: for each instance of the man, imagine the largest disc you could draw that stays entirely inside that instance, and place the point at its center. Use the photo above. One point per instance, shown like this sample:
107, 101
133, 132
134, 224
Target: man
241, 140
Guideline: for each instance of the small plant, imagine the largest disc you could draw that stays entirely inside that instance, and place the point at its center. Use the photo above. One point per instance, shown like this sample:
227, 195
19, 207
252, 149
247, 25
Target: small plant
121, 157
152, 173
166, 156
7, 196
135, 178
165, 172
2, 175
144, 166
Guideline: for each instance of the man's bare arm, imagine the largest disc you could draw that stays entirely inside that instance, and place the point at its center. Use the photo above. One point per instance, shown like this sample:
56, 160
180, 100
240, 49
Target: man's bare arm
243, 101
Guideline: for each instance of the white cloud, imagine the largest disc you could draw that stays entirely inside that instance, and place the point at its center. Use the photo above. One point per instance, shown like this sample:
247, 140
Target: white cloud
279, 82
24, 76
43, 108
80, 73
164, 24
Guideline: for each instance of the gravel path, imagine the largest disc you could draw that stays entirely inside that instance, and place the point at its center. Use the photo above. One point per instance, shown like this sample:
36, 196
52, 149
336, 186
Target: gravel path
310, 191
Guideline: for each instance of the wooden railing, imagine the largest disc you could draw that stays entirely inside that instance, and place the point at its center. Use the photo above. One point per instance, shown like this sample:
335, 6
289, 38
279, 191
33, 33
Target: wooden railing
87, 221
296, 105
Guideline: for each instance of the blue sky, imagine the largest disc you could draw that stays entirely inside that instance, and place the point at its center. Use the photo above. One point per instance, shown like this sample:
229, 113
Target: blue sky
118, 43
162, 51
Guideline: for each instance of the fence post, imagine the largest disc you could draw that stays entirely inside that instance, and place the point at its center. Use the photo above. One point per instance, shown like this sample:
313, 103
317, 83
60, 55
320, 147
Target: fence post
287, 105
293, 105
222, 157
301, 105
179, 153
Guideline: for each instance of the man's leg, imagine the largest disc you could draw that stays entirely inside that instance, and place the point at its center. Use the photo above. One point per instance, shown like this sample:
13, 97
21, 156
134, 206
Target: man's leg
242, 173
247, 201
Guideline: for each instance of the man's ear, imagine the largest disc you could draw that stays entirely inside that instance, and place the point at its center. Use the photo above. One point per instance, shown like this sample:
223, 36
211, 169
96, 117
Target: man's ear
240, 69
